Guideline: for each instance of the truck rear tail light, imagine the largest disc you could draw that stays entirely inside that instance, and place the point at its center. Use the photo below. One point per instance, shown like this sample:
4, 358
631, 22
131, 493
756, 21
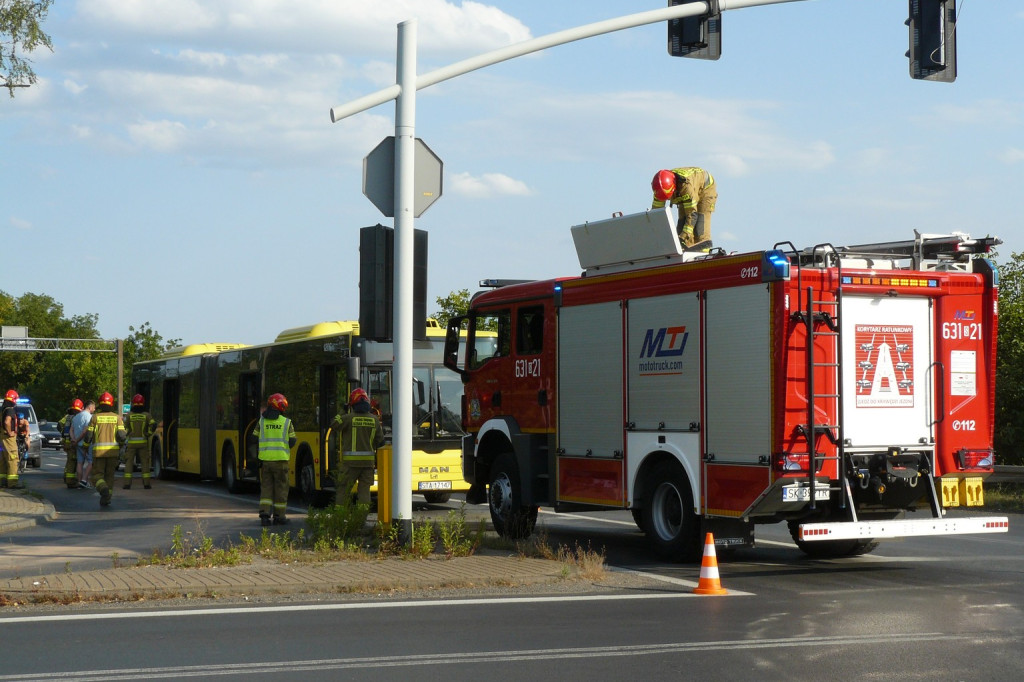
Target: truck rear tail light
974, 459
788, 461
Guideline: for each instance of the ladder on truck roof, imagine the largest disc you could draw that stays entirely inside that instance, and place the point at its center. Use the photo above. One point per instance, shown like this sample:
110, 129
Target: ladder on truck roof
924, 252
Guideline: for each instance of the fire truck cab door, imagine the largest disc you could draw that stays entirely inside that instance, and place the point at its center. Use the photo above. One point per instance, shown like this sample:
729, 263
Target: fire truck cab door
887, 356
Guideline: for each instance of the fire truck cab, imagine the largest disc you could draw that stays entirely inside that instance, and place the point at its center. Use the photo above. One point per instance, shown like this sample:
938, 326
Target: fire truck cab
848, 391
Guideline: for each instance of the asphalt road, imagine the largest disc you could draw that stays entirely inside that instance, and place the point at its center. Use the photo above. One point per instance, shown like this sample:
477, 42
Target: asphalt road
947, 608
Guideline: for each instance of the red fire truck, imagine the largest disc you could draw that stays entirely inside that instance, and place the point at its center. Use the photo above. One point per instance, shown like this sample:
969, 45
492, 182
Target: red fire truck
848, 391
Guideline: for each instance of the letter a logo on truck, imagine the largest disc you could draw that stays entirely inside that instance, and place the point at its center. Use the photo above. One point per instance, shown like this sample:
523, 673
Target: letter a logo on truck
667, 342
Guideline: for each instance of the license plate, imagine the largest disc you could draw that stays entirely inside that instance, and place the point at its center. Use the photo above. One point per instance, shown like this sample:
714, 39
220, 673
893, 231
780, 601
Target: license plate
435, 485
793, 493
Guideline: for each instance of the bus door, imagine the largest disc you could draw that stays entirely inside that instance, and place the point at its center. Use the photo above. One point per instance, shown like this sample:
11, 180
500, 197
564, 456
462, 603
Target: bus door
172, 396
248, 414
333, 395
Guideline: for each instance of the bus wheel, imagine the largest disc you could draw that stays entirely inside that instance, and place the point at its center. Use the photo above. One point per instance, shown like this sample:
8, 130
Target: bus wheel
305, 480
511, 519
158, 461
437, 497
668, 517
230, 470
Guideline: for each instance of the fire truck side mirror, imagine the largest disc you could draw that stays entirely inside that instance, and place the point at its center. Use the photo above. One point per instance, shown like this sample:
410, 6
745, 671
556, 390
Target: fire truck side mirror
452, 340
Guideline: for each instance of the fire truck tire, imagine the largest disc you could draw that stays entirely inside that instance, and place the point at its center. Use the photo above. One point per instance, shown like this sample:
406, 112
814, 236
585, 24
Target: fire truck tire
668, 517
230, 469
638, 517
437, 497
510, 517
831, 549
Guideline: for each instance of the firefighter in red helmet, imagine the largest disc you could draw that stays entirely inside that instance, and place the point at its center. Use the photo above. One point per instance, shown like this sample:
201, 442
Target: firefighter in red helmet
105, 435
274, 436
359, 435
693, 191
71, 461
141, 426
9, 456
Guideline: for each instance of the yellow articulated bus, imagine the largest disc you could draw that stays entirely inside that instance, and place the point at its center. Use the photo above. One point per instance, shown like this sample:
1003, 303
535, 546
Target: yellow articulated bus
207, 398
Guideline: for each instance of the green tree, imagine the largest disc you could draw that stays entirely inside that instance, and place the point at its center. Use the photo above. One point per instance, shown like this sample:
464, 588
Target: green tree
20, 32
454, 304
1009, 427
51, 379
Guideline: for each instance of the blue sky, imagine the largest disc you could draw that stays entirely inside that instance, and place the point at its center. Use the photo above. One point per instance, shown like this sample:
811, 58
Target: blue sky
176, 162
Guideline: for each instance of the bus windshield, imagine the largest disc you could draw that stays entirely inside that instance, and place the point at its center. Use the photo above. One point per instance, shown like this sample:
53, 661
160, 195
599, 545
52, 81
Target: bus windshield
436, 398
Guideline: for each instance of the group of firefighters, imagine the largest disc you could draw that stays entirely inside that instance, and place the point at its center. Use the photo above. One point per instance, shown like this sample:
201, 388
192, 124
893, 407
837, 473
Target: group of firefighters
93, 438
360, 434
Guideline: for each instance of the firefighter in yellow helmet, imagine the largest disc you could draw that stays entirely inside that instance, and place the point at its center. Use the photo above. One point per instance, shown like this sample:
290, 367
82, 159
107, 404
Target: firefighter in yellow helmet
275, 437
694, 192
64, 426
359, 435
105, 435
140, 427
9, 432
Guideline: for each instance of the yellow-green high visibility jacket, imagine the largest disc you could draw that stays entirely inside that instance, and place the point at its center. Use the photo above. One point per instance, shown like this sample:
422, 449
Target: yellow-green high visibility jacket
140, 427
106, 434
275, 436
360, 434
689, 183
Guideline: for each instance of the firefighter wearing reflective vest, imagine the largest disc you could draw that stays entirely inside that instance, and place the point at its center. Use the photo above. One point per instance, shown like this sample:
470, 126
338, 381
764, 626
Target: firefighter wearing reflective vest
693, 191
105, 435
360, 434
9, 457
140, 426
275, 435
64, 426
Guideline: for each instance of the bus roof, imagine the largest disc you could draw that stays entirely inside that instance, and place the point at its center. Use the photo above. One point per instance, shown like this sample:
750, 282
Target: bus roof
199, 349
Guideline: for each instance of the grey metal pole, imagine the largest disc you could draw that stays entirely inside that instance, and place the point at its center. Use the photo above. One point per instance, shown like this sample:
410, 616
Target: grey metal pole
405, 149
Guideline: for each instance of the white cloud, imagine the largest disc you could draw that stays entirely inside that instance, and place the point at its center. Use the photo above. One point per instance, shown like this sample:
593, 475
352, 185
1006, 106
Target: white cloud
161, 136
19, 224
363, 26
1012, 155
487, 186
73, 87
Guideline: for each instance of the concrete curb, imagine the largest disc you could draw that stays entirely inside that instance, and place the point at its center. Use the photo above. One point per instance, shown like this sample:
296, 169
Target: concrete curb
22, 509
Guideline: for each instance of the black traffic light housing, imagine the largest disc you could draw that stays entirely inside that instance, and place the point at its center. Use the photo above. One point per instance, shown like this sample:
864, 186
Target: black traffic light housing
932, 40
698, 37
376, 283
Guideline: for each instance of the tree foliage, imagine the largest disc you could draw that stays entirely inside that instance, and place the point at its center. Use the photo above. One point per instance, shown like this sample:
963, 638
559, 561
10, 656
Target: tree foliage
1009, 427
52, 379
20, 32
454, 304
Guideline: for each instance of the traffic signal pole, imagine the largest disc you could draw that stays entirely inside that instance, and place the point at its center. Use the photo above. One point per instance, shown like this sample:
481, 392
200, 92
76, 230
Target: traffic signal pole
404, 94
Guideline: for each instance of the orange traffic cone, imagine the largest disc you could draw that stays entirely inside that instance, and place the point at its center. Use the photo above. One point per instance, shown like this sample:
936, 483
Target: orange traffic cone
709, 582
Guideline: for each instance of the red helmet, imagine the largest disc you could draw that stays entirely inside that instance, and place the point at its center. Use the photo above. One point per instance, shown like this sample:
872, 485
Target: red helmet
357, 395
278, 402
664, 185
77, 404
12, 395
107, 399
138, 400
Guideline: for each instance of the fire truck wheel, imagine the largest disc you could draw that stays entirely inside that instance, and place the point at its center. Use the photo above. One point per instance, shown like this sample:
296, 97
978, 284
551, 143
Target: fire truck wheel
668, 519
831, 549
638, 517
511, 519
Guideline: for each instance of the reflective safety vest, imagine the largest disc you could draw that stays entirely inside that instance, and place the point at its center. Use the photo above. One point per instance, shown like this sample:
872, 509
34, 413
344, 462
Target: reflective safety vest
359, 438
139, 428
274, 437
105, 433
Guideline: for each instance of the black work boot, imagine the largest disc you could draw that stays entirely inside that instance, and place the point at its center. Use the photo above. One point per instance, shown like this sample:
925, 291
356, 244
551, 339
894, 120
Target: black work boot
264, 519
280, 519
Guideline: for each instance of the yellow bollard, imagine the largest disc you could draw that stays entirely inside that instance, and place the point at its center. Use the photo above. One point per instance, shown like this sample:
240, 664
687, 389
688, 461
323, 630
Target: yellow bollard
384, 485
